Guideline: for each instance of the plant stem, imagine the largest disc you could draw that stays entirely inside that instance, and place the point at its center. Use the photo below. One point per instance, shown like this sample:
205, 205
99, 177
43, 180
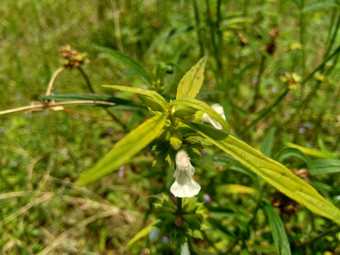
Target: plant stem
87, 80
213, 39
40, 106
313, 91
52, 80
257, 86
268, 110
198, 29
90, 87
337, 26
179, 205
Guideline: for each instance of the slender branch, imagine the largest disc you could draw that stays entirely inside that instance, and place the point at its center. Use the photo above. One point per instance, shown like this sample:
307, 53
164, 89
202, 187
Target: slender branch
282, 96
258, 82
52, 80
40, 106
87, 80
337, 26
268, 110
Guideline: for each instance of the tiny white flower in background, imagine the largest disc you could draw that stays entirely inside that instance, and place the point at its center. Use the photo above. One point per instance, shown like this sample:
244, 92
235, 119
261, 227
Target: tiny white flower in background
184, 185
154, 234
206, 118
185, 249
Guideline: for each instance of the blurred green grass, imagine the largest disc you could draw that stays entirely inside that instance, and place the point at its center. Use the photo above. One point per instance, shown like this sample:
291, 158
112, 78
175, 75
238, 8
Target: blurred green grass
43, 153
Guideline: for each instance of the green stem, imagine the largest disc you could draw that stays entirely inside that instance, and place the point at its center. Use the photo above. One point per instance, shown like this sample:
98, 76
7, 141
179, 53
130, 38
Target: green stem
257, 86
179, 206
313, 91
265, 112
213, 39
302, 38
87, 80
198, 28
337, 26
91, 89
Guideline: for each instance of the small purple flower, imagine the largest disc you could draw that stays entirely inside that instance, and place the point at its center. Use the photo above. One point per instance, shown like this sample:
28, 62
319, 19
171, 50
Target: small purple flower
14, 164
110, 131
203, 153
121, 172
165, 239
255, 80
274, 90
206, 198
75, 116
302, 130
87, 118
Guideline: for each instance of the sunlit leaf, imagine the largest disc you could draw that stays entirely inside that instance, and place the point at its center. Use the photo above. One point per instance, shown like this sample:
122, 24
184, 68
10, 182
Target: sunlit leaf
278, 230
312, 152
126, 148
158, 100
204, 107
235, 189
144, 232
192, 81
276, 174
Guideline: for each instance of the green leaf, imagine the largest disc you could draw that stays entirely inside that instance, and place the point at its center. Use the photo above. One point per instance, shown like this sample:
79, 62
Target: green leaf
312, 152
276, 174
320, 6
145, 231
126, 61
278, 230
201, 106
291, 152
324, 166
192, 81
158, 100
126, 148
94, 97
267, 143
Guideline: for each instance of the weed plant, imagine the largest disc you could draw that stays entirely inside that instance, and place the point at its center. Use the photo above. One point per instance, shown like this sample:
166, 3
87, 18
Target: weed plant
273, 68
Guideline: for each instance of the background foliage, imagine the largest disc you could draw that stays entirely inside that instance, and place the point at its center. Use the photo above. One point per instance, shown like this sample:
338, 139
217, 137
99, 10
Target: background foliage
273, 67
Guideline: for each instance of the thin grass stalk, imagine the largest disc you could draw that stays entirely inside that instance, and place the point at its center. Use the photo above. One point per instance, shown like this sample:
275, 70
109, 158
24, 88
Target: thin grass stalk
198, 29
212, 27
258, 83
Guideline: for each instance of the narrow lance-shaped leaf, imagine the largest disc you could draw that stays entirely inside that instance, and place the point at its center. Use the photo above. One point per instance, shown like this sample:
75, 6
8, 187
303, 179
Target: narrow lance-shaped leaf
278, 230
126, 148
152, 95
127, 61
192, 81
275, 174
201, 106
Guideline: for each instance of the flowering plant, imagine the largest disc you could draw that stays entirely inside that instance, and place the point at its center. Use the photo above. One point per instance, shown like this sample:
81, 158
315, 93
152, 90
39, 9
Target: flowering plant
186, 123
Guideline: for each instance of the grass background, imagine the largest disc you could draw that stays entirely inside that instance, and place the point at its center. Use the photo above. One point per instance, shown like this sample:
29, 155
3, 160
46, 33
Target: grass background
43, 153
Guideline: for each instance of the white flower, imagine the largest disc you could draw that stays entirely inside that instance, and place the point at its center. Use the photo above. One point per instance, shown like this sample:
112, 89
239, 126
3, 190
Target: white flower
206, 118
184, 185
185, 249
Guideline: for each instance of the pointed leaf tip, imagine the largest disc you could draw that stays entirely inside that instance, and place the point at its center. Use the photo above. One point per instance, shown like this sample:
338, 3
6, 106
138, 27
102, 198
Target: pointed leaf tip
192, 81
